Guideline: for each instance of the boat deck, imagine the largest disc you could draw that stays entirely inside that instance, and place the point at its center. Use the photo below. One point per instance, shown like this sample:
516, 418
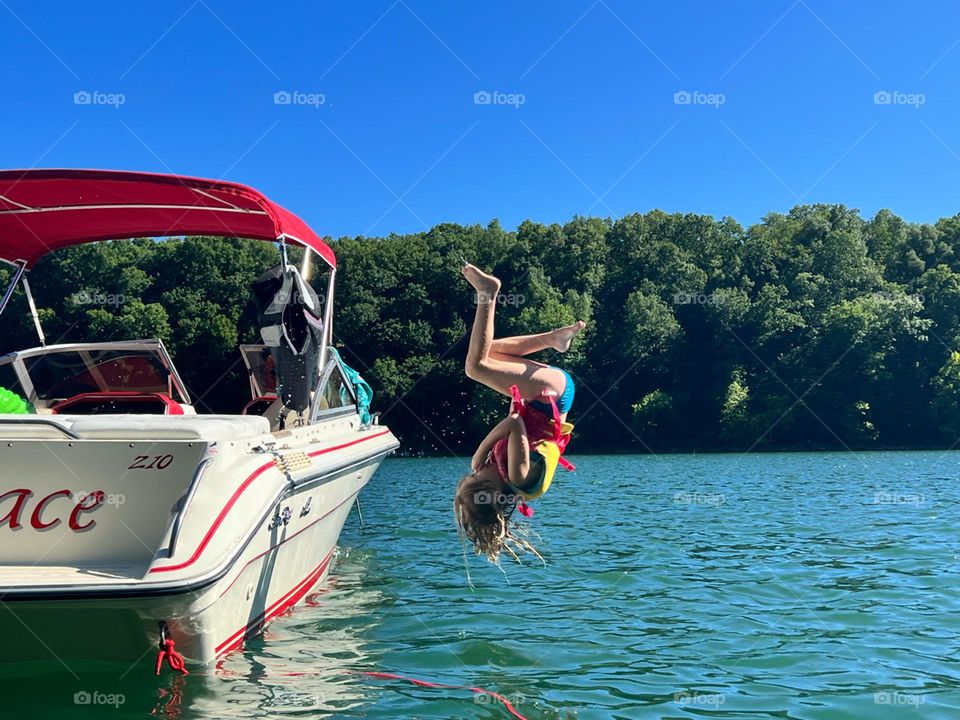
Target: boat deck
46, 575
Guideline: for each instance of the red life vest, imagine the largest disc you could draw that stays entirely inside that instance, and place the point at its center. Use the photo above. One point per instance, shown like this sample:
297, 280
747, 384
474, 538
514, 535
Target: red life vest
539, 428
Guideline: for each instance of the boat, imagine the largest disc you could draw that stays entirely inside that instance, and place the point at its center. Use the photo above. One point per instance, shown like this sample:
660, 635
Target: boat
129, 521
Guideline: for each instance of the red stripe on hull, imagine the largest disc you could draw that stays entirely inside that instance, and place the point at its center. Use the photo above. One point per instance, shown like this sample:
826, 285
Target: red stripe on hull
347, 444
216, 524
287, 601
286, 540
236, 496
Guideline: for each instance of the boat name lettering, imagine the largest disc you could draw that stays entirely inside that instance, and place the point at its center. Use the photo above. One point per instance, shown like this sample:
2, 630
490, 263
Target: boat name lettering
14, 509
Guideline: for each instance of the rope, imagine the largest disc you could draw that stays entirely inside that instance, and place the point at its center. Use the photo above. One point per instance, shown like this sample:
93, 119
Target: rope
394, 676
173, 658
442, 686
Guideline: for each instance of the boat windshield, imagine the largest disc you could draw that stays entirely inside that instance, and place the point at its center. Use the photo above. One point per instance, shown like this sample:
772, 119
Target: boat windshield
261, 370
63, 374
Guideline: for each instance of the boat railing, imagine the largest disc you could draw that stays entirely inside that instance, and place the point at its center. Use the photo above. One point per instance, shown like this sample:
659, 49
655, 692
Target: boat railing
46, 422
185, 505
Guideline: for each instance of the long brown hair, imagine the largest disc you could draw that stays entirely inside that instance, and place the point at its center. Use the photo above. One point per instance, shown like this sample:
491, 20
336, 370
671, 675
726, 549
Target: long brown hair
482, 506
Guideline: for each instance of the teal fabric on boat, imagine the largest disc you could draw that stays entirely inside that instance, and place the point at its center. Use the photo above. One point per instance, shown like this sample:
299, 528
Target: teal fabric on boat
360, 387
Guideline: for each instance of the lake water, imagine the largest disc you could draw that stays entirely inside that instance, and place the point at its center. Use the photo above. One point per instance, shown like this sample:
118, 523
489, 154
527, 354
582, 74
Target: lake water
765, 586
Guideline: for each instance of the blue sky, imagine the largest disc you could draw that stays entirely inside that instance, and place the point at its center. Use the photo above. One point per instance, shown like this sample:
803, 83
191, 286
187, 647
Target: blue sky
385, 130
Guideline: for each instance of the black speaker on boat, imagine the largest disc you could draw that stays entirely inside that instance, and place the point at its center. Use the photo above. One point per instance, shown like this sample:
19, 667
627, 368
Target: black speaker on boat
288, 311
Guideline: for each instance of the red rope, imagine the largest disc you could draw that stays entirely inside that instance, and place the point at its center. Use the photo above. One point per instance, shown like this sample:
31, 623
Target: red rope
393, 676
173, 658
424, 683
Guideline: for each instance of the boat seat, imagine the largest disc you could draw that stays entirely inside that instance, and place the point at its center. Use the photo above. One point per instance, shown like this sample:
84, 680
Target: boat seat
259, 406
211, 428
140, 403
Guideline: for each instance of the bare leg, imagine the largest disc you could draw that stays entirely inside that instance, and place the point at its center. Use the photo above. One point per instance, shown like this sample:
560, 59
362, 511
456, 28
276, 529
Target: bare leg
481, 335
522, 345
495, 370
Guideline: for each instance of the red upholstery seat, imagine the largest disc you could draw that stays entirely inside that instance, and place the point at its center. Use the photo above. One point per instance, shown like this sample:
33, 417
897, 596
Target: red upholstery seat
259, 405
118, 403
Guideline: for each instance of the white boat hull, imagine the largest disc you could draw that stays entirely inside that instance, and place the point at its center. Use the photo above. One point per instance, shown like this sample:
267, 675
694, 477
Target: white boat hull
251, 547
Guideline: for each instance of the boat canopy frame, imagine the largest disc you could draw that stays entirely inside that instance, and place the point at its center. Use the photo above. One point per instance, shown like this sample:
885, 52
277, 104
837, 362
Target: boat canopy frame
45, 210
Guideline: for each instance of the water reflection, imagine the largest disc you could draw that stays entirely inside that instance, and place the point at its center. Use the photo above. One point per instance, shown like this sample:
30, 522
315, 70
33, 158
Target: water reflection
307, 663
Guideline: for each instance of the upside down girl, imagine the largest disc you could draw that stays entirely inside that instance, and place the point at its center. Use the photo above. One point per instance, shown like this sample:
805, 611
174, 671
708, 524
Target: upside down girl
517, 459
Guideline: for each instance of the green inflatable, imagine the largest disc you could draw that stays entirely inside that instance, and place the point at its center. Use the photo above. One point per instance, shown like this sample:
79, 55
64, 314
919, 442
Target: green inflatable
11, 403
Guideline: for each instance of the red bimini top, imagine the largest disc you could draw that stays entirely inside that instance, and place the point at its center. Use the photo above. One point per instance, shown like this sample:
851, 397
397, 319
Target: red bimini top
45, 210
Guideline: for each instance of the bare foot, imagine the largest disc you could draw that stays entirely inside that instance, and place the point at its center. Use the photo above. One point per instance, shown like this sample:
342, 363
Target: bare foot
562, 337
487, 286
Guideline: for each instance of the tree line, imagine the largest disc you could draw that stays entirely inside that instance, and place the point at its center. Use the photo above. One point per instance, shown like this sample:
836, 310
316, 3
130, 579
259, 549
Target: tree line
813, 329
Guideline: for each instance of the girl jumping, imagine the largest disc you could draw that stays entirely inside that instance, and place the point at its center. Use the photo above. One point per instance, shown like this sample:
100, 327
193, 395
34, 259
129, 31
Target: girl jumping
503, 472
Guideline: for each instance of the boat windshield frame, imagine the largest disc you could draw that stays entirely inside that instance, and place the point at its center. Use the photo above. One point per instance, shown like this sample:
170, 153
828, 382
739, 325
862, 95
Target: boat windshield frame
153, 348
